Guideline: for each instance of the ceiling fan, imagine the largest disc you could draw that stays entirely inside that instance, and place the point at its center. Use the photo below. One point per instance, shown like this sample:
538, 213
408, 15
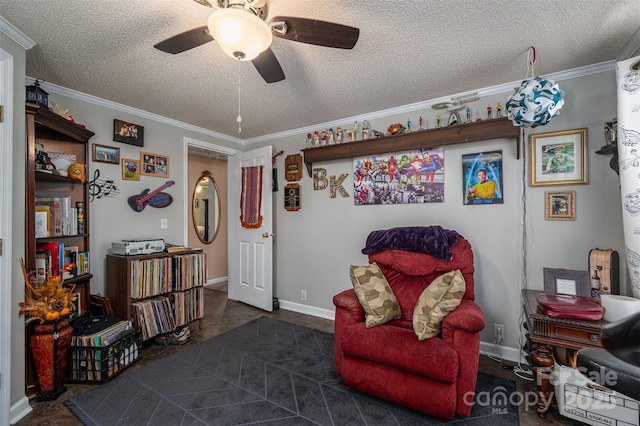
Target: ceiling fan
241, 29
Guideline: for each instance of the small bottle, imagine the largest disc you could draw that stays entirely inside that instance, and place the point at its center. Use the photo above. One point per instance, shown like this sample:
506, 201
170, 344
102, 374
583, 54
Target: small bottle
595, 286
80, 208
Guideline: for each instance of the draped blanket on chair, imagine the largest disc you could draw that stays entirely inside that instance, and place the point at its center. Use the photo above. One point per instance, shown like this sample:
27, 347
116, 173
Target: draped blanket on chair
251, 197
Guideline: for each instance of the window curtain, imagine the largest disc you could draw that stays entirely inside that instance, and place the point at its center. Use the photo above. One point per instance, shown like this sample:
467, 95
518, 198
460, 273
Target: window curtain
628, 140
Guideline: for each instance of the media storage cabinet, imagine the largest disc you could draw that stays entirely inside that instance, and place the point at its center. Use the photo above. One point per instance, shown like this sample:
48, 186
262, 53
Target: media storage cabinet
160, 291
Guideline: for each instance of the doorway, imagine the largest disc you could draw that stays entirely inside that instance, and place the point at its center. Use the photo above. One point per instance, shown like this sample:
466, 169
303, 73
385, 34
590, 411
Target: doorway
199, 157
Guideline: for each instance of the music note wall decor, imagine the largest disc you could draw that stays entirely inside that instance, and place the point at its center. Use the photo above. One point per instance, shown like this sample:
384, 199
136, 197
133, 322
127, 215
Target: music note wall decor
99, 188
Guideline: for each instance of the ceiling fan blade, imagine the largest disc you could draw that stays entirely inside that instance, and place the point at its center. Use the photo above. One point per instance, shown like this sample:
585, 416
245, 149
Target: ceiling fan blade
320, 33
268, 66
185, 41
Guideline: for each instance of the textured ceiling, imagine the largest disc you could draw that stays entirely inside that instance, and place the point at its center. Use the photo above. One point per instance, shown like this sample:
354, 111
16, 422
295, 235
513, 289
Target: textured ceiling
409, 51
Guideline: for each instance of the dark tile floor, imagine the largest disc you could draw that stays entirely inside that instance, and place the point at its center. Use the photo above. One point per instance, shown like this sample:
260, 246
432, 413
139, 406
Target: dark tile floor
222, 315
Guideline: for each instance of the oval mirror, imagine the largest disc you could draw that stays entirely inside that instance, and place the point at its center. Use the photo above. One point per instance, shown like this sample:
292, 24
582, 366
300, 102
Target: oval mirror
205, 208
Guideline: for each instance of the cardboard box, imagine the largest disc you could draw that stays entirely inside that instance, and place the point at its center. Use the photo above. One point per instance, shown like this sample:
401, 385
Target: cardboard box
584, 400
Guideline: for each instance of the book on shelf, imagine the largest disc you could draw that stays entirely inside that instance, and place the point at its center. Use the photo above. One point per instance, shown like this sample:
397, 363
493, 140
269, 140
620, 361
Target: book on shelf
43, 258
53, 247
43, 221
71, 258
174, 248
61, 210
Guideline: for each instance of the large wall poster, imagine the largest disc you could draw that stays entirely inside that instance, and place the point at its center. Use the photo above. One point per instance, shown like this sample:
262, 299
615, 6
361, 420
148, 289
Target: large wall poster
406, 177
482, 178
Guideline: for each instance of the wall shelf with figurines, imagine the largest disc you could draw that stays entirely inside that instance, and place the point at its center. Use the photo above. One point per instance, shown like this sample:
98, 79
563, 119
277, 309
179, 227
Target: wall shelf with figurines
460, 133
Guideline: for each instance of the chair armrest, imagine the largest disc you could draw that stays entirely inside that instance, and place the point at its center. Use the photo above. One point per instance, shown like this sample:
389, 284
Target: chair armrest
467, 316
348, 301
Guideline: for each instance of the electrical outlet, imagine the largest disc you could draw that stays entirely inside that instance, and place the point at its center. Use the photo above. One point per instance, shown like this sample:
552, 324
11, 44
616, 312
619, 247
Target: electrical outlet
498, 332
303, 295
164, 224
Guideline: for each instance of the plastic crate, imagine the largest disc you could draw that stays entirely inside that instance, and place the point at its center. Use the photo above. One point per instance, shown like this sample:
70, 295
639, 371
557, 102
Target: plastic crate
88, 364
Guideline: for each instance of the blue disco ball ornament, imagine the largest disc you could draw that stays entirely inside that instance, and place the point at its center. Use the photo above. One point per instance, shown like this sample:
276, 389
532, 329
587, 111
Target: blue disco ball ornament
535, 102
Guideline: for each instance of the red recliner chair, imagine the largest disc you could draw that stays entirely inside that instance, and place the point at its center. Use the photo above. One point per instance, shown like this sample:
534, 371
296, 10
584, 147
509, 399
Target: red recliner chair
437, 375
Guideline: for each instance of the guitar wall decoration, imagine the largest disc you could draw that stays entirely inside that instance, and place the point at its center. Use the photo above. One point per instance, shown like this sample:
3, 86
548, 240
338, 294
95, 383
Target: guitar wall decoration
156, 198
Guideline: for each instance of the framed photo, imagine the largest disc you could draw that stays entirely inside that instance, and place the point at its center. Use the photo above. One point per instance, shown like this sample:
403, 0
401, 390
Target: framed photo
106, 154
567, 281
482, 178
559, 158
130, 169
154, 165
129, 133
560, 205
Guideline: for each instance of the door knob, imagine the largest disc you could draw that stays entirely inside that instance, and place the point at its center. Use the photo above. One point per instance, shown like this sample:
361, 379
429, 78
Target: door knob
266, 235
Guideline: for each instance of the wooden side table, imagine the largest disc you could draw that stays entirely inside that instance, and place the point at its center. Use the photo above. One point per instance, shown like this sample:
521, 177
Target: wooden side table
546, 333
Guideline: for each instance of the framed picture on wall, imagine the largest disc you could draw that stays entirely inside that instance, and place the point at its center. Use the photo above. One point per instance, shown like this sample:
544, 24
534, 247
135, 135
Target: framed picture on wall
154, 164
560, 205
130, 169
106, 154
559, 158
132, 134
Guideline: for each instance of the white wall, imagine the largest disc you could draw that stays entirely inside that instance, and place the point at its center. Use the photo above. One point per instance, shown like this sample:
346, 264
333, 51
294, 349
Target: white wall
316, 245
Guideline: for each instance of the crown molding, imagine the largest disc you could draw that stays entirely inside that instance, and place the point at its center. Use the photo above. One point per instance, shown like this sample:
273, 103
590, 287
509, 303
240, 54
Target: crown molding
15, 34
422, 105
59, 90
488, 91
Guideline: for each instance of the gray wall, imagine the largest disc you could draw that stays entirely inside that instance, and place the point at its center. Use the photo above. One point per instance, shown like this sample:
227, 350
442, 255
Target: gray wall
333, 231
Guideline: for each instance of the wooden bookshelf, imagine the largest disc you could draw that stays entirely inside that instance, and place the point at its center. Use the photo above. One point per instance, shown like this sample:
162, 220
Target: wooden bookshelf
131, 279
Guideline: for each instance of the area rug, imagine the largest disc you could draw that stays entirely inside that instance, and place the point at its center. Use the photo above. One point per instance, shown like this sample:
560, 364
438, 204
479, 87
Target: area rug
266, 372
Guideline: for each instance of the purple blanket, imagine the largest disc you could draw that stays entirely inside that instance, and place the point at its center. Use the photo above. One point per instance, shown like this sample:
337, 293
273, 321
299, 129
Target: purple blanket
433, 240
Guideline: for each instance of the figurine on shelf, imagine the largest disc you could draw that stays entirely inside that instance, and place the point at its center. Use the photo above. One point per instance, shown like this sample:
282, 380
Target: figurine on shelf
408, 125
489, 112
352, 132
468, 111
309, 139
323, 138
376, 133
331, 140
420, 123
499, 110
366, 130
316, 138
338, 134
438, 118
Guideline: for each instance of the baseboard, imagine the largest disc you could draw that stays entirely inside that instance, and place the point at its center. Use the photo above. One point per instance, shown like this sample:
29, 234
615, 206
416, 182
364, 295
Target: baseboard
501, 352
306, 309
19, 410
217, 281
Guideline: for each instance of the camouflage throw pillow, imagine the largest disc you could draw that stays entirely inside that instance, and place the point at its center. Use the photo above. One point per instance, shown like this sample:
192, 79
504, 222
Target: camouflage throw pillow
375, 295
441, 297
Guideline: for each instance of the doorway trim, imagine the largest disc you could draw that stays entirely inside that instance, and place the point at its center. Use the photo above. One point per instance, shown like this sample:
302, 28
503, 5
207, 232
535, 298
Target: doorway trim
6, 182
204, 146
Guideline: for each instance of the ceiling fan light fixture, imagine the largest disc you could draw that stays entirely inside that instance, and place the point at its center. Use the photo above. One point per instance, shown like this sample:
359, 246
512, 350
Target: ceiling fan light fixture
241, 34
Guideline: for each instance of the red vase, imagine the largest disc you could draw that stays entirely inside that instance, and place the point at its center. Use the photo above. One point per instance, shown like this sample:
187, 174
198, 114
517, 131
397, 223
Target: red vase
50, 346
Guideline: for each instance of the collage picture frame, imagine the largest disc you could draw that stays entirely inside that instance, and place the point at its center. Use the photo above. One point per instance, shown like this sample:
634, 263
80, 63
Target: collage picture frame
154, 165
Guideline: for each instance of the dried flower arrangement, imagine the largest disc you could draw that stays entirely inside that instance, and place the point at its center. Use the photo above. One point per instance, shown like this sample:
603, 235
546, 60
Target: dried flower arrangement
47, 300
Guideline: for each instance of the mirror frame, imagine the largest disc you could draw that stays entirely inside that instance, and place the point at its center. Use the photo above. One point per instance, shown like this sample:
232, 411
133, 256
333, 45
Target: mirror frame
206, 174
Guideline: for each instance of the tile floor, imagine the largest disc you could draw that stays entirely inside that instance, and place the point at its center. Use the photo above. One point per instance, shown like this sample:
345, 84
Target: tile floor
222, 315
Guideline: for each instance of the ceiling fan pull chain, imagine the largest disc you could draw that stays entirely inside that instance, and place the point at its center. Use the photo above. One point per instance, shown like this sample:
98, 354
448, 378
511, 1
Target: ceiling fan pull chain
239, 119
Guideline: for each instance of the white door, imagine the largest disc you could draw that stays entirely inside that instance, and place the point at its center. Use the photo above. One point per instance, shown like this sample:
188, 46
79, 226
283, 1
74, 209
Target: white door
250, 249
